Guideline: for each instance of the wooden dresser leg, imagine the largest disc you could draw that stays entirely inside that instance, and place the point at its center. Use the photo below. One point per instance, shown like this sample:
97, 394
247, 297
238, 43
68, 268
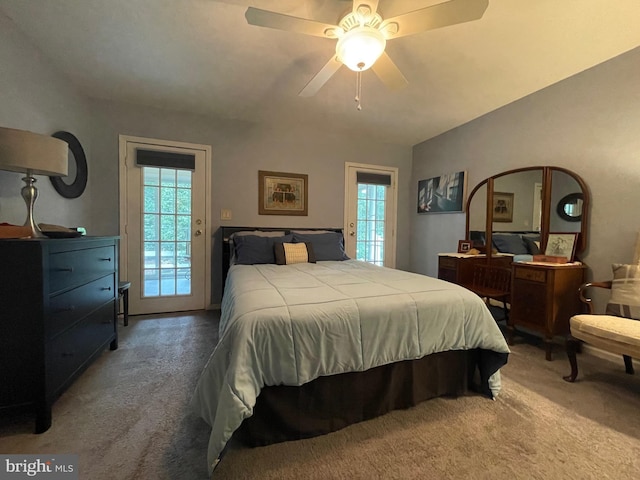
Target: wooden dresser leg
628, 364
43, 418
573, 345
548, 344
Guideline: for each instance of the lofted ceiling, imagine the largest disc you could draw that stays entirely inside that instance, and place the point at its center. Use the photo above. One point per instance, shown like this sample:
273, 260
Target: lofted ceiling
201, 56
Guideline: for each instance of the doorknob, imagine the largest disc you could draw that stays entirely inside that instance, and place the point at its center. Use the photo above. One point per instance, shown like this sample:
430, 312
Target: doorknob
353, 234
198, 222
198, 233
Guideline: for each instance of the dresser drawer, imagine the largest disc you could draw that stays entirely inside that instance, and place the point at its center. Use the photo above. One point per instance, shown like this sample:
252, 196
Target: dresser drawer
530, 274
69, 307
450, 263
72, 349
67, 269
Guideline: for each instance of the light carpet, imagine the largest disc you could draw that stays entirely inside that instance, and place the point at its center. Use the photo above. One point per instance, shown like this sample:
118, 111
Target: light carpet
127, 418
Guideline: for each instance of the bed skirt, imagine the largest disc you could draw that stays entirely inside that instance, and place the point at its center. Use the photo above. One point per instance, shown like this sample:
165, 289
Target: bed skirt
330, 403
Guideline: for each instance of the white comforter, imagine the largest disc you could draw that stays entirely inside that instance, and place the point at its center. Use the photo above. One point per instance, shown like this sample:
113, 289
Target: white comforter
291, 324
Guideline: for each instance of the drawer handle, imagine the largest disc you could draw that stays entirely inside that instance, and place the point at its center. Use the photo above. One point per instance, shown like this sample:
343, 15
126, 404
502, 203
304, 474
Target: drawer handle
67, 269
106, 259
106, 288
70, 308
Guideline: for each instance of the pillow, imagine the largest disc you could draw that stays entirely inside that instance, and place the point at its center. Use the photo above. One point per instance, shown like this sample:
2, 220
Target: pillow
533, 246
289, 253
254, 249
242, 233
509, 243
326, 246
625, 291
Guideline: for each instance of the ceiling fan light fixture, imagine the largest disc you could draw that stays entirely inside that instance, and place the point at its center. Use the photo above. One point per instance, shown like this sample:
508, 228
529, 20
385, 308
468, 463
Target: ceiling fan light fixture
360, 47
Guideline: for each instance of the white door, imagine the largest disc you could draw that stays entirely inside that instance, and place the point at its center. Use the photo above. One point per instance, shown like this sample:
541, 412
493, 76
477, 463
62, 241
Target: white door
164, 234
370, 213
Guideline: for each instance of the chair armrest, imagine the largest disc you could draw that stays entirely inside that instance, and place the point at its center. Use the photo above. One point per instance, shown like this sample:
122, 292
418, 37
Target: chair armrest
587, 300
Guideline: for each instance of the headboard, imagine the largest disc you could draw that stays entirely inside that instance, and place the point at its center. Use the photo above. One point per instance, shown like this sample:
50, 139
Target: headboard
228, 231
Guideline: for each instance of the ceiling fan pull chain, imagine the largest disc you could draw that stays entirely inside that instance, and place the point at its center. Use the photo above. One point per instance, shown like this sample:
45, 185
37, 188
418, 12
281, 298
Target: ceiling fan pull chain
358, 90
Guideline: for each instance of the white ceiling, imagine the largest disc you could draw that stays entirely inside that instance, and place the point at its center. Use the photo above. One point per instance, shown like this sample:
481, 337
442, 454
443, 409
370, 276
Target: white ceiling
201, 56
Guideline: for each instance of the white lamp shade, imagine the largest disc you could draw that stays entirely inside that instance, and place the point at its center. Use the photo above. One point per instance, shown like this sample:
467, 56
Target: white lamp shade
22, 151
360, 47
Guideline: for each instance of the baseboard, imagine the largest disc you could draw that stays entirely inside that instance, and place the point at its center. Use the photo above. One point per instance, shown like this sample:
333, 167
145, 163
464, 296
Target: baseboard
597, 352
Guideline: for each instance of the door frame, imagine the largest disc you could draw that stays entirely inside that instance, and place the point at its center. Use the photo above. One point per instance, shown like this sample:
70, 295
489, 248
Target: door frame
393, 171
124, 249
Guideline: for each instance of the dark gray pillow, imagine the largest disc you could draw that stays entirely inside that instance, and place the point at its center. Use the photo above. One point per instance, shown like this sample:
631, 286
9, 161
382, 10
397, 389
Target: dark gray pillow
531, 245
509, 243
326, 246
252, 249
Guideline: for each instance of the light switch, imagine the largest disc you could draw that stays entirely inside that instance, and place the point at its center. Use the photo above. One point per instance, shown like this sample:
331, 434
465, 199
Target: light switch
225, 214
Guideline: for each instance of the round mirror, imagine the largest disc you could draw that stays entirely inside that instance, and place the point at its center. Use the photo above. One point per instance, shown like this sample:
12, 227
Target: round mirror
569, 207
75, 182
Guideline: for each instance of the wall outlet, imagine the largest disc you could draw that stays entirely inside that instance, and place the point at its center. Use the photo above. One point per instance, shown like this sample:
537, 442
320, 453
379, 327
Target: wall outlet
225, 214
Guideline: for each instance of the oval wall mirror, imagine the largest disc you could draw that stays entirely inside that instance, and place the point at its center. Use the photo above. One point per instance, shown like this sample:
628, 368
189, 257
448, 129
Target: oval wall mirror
73, 185
569, 207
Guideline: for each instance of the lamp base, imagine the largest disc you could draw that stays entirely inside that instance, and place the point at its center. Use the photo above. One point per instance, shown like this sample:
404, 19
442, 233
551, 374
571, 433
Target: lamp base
30, 195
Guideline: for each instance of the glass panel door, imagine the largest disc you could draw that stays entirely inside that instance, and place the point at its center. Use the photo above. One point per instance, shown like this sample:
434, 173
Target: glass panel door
166, 231
371, 223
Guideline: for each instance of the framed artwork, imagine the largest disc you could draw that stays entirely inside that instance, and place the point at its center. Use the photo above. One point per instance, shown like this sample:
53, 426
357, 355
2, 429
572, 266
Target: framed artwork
282, 193
464, 246
502, 207
561, 245
443, 194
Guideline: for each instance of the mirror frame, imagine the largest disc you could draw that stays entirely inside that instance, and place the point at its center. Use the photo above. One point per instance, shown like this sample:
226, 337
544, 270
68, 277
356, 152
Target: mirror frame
76, 154
547, 172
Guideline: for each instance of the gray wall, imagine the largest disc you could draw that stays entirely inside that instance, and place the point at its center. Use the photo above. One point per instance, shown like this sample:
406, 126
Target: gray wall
239, 150
589, 123
36, 97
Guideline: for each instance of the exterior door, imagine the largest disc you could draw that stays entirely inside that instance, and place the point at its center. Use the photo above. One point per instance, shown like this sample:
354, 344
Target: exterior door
165, 239
370, 213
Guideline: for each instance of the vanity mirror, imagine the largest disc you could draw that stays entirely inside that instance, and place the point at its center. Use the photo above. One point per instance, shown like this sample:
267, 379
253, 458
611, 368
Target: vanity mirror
531, 202
514, 212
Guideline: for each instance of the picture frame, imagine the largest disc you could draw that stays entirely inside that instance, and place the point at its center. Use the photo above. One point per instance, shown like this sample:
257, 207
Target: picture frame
502, 206
561, 245
443, 194
282, 193
464, 246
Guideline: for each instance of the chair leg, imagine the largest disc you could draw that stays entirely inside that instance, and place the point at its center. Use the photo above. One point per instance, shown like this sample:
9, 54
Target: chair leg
125, 301
628, 364
572, 345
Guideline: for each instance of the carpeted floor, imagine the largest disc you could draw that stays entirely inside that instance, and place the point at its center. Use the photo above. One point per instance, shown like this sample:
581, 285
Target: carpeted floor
127, 418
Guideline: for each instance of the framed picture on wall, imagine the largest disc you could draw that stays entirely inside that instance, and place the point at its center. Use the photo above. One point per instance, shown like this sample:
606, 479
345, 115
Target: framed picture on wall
282, 193
502, 207
443, 194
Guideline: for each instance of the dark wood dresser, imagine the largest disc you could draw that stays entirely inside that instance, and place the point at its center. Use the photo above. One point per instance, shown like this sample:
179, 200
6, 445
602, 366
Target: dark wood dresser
544, 298
458, 268
58, 312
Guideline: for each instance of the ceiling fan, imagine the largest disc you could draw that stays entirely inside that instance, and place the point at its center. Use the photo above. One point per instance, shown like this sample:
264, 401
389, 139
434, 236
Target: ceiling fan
362, 35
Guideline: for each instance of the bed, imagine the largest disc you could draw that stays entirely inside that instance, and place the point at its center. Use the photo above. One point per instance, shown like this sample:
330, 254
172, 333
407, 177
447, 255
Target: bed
308, 348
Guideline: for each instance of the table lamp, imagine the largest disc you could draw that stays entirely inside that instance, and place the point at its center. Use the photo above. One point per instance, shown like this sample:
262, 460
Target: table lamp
33, 154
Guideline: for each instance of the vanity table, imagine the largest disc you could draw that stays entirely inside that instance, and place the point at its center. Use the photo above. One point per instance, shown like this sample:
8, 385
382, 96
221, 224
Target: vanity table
528, 204
543, 299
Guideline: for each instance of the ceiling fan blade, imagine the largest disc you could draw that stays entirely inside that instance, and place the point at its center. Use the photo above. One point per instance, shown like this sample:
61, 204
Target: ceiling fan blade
280, 21
321, 77
389, 73
435, 16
